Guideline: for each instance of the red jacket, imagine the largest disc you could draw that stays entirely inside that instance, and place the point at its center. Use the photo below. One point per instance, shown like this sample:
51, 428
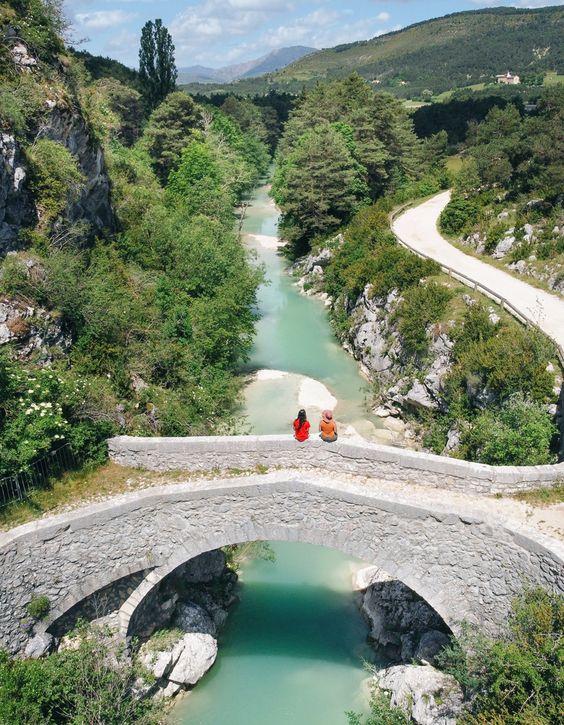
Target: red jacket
303, 433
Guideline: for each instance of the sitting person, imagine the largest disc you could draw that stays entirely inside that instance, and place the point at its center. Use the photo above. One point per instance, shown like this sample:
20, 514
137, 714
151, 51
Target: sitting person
327, 427
301, 427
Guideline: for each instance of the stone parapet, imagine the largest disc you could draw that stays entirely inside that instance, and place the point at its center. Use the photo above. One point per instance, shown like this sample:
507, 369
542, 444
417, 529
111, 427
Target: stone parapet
365, 459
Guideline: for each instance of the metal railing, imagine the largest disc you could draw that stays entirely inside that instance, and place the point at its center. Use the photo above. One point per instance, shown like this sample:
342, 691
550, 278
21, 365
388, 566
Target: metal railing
474, 284
19, 486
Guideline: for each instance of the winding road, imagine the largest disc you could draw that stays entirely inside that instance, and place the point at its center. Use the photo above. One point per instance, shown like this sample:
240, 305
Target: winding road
417, 229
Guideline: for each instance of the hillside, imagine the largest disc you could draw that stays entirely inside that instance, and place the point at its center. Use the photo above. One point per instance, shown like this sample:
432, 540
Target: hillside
454, 51
269, 63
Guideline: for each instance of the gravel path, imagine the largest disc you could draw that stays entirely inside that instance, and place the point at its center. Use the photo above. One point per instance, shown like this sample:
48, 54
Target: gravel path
417, 229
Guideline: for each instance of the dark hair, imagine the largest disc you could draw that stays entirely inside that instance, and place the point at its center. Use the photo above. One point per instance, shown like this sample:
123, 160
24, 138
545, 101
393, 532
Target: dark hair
302, 417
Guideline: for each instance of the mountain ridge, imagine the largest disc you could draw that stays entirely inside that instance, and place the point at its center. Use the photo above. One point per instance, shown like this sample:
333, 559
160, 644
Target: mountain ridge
268, 63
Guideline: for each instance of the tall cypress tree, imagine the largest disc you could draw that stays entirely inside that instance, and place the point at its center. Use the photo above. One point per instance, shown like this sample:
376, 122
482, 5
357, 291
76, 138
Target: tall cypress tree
157, 69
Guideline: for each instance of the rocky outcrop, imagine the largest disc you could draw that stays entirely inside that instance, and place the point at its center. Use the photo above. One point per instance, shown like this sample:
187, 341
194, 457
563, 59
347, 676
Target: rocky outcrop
92, 209
428, 696
34, 332
191, 607
402, 624
68, 127
183, 660
17, 209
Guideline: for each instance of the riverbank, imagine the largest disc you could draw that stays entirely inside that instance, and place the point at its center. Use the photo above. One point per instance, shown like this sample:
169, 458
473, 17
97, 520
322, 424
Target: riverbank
296, 360
443, 360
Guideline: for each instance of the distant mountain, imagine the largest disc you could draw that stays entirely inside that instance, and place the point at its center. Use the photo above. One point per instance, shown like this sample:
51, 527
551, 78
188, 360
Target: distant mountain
277, 60
457, 50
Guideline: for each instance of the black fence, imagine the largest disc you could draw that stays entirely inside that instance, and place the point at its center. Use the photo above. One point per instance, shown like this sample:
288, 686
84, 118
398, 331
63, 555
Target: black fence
19, 486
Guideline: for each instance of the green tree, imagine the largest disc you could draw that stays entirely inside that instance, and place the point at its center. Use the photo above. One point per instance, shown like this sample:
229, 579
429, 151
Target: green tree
319, 185
169, 130
157, 70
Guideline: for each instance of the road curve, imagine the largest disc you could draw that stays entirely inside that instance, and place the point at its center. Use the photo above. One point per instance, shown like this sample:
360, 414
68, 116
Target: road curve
417, 229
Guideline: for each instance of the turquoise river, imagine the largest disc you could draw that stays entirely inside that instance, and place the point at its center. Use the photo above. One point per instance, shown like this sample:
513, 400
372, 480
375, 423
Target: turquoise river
294, 648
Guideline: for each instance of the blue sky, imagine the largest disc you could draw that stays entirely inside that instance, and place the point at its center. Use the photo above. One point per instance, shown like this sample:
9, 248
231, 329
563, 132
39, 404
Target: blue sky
222, 32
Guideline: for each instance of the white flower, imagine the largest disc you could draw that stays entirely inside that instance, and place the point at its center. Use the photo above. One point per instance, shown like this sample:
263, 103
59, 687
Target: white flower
28, 411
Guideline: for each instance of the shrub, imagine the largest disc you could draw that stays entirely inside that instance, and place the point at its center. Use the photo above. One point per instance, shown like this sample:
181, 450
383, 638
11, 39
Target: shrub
56, 178
520, 433
381, 712
516, 680
39, 607
421, 306
459, 214
90, 684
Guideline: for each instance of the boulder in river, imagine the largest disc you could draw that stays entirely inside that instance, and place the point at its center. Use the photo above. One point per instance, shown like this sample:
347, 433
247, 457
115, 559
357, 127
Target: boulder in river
196, 654
428, 696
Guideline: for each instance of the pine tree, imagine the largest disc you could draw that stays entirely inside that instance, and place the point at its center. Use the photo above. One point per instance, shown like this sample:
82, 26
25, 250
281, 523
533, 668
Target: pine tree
157, 69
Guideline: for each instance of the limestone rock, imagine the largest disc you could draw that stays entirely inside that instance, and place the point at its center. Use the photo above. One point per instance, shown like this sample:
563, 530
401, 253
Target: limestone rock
169, 690
35, 331
520, 266
398, 616
23, 59
453, 441
16, 202
418, 397
503, 247
39, 646
321, 260
528, 231
191, 618
204, 568
196, 654
159, 663
428, 696
430, 644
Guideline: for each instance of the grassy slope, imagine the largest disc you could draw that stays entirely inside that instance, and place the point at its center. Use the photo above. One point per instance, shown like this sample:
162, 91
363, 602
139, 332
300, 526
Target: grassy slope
457, 50
487, 39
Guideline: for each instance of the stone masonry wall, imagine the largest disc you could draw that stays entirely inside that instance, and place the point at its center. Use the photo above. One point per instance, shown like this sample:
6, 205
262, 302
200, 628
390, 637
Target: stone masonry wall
464, 565
375, 461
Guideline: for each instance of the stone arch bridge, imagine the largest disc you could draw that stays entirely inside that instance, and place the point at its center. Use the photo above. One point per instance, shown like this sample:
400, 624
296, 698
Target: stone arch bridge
422, 518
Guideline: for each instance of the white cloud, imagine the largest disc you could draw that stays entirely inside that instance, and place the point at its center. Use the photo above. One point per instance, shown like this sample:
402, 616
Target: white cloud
103, 19
262, 5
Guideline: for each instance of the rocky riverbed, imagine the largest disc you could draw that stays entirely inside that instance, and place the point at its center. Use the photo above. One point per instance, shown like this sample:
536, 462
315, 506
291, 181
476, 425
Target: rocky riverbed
411, 634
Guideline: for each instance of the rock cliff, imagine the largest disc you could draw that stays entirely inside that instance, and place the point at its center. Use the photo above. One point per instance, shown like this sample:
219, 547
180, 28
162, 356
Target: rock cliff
62, 121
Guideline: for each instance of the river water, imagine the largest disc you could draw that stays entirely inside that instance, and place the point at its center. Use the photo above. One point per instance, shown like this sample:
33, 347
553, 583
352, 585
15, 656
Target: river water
294, 647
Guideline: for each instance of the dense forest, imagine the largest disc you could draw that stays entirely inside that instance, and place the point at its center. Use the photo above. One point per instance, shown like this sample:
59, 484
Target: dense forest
142, 307
343, 147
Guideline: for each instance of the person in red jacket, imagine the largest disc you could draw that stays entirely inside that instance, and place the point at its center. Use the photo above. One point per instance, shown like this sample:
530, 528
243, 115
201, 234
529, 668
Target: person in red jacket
301, 427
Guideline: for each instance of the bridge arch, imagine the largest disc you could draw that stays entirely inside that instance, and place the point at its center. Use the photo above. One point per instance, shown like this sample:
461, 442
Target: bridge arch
466, 566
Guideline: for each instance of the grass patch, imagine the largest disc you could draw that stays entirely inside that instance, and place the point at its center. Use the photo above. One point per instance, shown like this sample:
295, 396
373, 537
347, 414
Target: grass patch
84, 487
552, 78
542, 496
454, 163
164, 639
